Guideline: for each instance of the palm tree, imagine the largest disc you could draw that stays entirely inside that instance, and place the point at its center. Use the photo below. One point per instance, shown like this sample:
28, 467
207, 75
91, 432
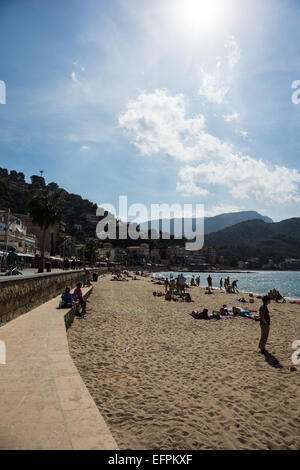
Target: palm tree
92, 250
44, 211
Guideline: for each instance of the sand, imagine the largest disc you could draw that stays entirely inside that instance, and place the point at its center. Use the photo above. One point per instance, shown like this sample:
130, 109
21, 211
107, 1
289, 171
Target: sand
185, 383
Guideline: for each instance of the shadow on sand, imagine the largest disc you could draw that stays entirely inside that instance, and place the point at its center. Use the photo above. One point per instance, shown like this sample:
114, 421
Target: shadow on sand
270, 359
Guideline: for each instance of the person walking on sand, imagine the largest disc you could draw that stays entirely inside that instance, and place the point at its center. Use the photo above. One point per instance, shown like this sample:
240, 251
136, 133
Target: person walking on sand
264, 318
209, 281
221, 283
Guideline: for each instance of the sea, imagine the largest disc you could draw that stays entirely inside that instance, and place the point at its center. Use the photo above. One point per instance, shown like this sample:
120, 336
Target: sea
258, 282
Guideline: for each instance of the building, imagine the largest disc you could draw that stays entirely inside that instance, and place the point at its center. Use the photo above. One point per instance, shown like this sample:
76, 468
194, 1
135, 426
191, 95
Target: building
54, 238
290, 263
155, 255
139, 253
197, 258
14, 233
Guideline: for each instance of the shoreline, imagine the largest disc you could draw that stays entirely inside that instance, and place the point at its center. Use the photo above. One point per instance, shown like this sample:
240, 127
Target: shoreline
297, 299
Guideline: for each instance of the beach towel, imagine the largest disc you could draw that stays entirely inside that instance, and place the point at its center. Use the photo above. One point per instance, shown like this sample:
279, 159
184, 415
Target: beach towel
223, 317
246, 313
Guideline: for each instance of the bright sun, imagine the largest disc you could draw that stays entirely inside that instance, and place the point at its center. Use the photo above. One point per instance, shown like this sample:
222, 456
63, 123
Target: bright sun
202, 14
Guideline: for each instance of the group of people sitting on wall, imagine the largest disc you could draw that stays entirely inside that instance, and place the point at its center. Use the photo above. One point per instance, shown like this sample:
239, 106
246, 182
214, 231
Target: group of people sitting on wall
74, 301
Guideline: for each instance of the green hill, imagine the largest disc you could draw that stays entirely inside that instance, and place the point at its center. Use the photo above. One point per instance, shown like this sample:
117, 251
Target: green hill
256, 238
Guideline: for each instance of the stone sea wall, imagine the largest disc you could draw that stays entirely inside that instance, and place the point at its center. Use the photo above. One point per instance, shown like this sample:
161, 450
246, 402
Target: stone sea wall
20, 295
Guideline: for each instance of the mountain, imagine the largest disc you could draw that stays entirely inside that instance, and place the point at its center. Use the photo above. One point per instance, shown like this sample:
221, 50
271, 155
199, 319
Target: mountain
221, 221
257, 238
211, 224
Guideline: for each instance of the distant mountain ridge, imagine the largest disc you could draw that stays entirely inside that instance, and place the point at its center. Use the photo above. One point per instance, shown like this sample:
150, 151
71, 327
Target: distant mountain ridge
257, 238
211, 224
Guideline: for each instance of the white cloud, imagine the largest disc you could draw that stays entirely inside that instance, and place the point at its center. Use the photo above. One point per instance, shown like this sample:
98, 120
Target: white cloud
231, 117
212, 89
157, 123
222, 209
246, 178
244, 133
234, 53
74, 78
215, 85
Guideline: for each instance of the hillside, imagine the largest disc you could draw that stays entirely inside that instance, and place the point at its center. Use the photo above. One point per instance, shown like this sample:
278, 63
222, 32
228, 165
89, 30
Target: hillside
15, 194
256, 238
211, 224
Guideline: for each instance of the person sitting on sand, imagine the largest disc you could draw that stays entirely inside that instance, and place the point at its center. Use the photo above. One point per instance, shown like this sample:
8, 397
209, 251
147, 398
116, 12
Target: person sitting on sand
187, 297
78, 295
168, 295
193, 281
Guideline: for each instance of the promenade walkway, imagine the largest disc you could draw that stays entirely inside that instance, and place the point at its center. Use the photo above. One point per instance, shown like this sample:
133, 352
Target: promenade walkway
44, 403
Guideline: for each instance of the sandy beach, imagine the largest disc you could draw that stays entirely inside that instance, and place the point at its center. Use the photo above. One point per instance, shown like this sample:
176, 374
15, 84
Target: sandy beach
186, 383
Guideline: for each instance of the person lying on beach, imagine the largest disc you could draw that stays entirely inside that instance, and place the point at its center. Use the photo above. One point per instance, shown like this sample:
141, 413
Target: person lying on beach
208, 291
223, 310
200, 315
157, 294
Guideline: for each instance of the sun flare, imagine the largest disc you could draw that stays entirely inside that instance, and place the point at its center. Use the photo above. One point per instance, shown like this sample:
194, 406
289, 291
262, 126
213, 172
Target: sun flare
202, 14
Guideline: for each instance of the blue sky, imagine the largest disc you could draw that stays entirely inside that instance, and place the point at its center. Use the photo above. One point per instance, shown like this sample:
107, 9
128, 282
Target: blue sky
163, 101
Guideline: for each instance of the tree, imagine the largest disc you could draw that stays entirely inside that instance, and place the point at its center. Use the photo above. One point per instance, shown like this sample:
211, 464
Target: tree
3, 172
232, 261
52, 187
3, 189
37, 182
44, 211
92, 250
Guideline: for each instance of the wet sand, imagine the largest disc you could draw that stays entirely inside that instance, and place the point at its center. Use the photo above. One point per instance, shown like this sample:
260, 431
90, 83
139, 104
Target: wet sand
185, 383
